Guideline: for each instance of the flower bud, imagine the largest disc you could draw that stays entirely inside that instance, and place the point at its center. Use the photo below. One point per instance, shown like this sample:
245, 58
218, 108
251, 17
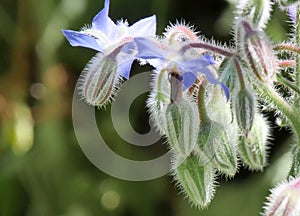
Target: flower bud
222, 137
182, 123
284, 199
197, 180
244, 108
158, 100
258, 52
257, 11
253, 148
99, 80
218, 145
227, 73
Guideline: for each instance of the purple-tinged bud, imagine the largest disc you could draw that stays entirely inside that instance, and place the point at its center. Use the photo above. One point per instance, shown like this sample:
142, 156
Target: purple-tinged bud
258, 52
284, 199
197, 180
182, 123
99, 80
244, 108
253, 148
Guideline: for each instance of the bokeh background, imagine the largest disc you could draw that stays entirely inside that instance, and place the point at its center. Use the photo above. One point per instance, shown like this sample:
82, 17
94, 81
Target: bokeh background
43, 171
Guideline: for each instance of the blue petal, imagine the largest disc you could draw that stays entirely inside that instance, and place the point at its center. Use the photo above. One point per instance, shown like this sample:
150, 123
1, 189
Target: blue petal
199, 63
144, 27
188, 79
226, 91
81, 39
211, 79
209, 59
148, 49
124, 67
102, 22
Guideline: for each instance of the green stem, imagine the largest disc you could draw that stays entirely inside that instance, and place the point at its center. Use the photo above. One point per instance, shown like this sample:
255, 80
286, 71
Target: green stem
297, 34
203, 116
293, 114
288, 83
214, 48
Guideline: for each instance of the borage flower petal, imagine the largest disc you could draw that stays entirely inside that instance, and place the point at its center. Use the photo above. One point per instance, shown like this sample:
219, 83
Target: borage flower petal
161, 55
103, 73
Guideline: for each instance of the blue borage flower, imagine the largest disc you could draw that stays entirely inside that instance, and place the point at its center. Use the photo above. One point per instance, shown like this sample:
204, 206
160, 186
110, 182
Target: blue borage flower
107, 37
163, 56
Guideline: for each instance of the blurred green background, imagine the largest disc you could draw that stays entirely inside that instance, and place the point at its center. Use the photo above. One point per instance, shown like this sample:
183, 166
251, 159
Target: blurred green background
42, 168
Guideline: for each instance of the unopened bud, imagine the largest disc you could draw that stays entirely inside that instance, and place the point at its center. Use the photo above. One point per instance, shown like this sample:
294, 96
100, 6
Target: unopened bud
258, 52
182, 123
228, 74
218, 145
158, 100
244, 108
253, 148
197, 180
284, 199
222, 137
257, 11
99, 80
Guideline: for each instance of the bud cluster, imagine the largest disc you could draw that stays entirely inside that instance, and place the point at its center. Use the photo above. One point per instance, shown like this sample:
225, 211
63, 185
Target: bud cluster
204, 96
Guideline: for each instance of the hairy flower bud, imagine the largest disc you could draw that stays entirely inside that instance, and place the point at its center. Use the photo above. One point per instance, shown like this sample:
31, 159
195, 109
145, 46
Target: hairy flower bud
197, 180
253, 148
258, 52
159, 99
182, 123
227, 73
99, 80
218, 145
284, 199
244, 108
257, 11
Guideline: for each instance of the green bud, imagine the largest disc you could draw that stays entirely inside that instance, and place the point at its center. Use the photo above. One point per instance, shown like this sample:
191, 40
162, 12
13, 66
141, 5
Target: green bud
197, 180
218, 145
220, 133
244, 108
257, 11
258, 52
253, 148
228, 74
99, 80
182, 123
158, 100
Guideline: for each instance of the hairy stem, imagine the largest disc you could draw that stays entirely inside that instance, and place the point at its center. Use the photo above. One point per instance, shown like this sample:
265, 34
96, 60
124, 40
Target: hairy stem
298, 44
239, 72
269, 94
201, 102
287, 47
207, 46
